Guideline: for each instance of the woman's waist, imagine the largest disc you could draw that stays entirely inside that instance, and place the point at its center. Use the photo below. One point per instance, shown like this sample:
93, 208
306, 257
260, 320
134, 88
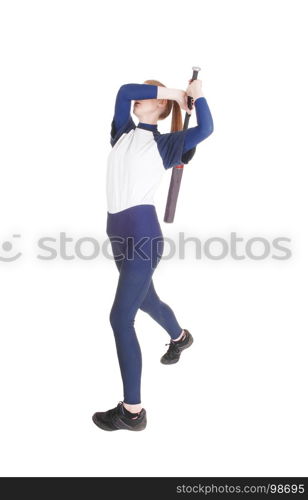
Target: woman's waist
135, 220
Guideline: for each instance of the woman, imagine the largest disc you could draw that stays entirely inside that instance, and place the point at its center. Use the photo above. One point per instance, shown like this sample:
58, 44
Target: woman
139, 156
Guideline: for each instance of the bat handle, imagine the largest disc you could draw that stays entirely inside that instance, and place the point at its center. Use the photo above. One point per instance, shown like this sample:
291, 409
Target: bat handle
196, 70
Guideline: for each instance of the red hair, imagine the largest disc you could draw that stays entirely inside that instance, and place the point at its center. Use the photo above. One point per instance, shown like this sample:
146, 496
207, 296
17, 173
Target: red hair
171, 106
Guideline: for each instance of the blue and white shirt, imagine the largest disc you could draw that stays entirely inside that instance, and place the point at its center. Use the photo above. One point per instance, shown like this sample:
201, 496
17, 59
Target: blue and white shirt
140, 154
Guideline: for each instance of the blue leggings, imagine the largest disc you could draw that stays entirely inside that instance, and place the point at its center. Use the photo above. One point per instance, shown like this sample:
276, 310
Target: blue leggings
137, 245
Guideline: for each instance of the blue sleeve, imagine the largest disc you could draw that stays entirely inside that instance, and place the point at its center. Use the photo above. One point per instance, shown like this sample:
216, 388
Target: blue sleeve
170, 147
204, 126
179, 147
122, 119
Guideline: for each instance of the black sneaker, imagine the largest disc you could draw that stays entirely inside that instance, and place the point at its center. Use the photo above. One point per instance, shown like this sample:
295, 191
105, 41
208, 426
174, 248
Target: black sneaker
175, 349
115, 419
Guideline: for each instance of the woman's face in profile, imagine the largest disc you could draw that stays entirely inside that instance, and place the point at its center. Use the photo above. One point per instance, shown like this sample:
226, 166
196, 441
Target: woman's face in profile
145, 107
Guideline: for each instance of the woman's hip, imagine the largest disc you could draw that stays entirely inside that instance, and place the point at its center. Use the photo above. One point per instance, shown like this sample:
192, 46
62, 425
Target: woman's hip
136, 221
136, 233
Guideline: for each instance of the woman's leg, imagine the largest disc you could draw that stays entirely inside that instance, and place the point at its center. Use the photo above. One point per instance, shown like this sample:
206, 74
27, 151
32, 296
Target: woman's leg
134, 279
161, 312
152, 305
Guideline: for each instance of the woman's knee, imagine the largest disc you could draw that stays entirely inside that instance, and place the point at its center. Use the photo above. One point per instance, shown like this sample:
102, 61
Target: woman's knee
151, 305
120, 320
115, 318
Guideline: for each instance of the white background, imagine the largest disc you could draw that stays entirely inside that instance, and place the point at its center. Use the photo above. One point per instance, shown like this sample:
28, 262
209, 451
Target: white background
235, 404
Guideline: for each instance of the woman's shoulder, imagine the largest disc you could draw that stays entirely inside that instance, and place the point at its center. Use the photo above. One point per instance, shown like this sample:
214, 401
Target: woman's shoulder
117, 132
170, 146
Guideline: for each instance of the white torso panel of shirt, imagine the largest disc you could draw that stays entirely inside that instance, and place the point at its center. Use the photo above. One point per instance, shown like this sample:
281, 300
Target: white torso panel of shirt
134, 170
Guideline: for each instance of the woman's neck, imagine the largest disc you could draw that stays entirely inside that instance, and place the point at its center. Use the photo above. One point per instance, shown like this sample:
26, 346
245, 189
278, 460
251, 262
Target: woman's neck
147, 126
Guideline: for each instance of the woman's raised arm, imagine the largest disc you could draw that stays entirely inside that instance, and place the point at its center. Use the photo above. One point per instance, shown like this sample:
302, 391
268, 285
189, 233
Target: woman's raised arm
138, 91
205, 126
127, 93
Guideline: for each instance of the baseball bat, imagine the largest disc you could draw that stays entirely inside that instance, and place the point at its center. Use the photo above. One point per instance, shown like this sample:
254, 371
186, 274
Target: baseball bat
177, 170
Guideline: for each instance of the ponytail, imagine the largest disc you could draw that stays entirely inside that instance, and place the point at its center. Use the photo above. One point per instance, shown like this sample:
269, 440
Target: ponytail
171, 106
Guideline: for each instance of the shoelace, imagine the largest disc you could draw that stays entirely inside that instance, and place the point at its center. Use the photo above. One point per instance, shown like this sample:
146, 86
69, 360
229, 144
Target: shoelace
172, 347
173, 343
114, 411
